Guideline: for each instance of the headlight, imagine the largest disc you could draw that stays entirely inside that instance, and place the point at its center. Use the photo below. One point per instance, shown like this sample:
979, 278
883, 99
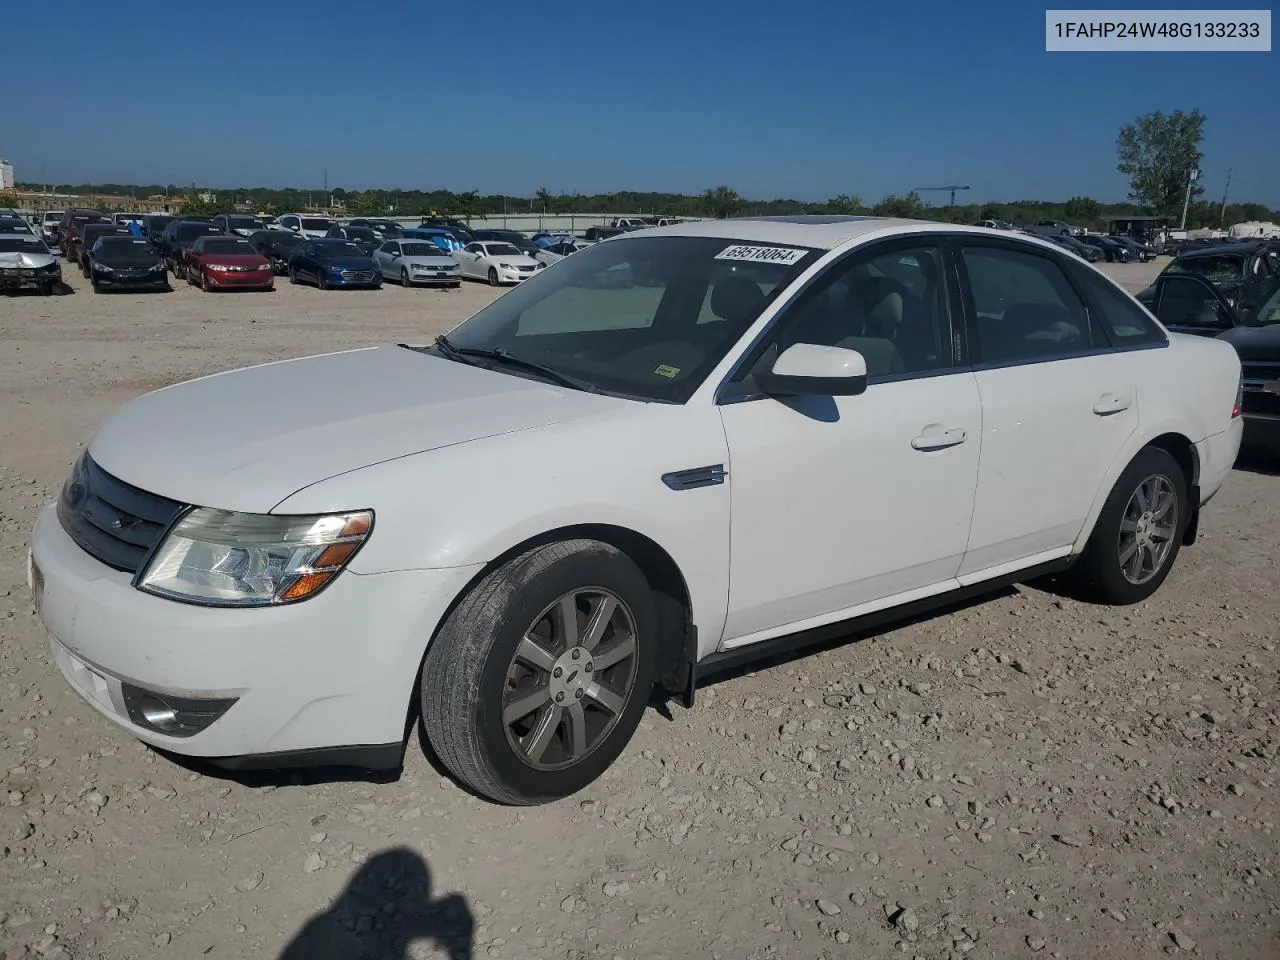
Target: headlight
506, 266
226, 559
264, 266
157, 266
103, 267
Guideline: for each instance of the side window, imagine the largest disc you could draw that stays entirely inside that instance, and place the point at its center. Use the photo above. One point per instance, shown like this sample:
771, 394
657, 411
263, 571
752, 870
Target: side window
1190, 302
1025, 307
889, 306
1125, 321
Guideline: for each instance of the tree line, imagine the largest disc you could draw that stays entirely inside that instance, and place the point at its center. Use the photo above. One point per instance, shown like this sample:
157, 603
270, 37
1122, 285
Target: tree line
1157, 152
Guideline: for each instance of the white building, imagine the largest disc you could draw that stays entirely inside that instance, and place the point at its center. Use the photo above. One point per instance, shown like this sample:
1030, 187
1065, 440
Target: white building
6, 175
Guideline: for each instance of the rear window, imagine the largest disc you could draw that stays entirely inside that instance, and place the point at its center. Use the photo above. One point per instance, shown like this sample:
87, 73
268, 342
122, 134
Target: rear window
309, 223
187, 231
1124, 319
245, 223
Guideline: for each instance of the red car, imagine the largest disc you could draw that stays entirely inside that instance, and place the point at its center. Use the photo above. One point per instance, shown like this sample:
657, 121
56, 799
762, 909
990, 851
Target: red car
228, 263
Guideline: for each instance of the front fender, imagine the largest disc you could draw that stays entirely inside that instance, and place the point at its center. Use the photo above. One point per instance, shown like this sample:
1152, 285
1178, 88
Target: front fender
473, 502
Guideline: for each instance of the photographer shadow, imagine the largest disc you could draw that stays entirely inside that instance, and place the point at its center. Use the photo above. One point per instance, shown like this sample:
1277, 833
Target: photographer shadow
385, 907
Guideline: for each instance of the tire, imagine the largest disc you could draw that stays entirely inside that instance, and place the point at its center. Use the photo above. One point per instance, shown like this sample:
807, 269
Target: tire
404, 278
1099, 571
469, 668
94, 285
204, 283
493, 277
46, 290
293, 277
322, 281
456, 286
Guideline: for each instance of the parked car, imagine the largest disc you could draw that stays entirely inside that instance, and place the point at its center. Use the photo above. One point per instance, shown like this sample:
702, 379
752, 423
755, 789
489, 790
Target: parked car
413, 262
362, 237
547, 239
26, 262
16, 225
239, 224
124, 219
89, 235
177, 239
126, 262
1189, 303
1061, 228
221, 262
277, 246
386, 229
868, 380
1111, 251
513, 237
452, 224
1241, 272
1085, 250
153, 225
1145, 253
310, 225
997, 225
69, 230
497, 262
50, 221
442, 237
558, 251
333, 263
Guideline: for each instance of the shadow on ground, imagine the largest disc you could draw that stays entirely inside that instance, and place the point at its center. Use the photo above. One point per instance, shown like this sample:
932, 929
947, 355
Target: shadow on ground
385, 909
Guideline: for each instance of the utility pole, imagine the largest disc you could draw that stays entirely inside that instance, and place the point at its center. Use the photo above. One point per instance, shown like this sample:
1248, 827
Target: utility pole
1222, 214
1192, 177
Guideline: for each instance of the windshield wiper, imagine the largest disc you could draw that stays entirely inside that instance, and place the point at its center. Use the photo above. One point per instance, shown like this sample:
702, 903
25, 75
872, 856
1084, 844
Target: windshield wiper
464, 355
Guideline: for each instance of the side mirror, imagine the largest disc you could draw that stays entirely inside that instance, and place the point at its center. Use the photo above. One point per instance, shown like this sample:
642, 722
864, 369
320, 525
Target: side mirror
810, 369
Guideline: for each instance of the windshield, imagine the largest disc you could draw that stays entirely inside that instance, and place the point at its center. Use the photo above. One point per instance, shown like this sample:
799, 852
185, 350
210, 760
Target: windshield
52, 217
647, 317
189, 231
363, 234
157, 224
501, 250
126, 249
22, 245
312, 223
284, 242
245, 223
82, 220
331, 251
228, 246
1218, 269
423, 250
1266, 314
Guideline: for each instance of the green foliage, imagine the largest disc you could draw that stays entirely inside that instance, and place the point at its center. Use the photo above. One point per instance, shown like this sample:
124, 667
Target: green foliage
195, 206
846, 204
721, 202
1082, 211
1157, 153
909, 206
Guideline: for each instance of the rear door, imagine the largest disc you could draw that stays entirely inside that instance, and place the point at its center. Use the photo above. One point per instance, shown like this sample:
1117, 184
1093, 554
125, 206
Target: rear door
1058, 403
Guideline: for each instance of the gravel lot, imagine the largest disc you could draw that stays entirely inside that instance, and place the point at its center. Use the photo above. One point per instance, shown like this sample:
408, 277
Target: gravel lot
1025, 776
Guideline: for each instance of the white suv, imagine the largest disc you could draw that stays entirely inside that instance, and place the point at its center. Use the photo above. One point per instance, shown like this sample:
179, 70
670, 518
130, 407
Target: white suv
309, 225
675, 451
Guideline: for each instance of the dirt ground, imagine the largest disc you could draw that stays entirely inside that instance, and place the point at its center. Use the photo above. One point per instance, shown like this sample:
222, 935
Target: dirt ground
1028, 775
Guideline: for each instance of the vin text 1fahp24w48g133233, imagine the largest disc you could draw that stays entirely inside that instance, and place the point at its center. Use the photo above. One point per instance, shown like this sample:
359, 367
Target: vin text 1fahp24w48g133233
677, 449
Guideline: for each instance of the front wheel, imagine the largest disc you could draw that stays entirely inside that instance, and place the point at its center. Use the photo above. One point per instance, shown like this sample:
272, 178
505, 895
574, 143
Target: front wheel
204, 283
493, 277
538, 679
322, 280
1138, 533
404, 278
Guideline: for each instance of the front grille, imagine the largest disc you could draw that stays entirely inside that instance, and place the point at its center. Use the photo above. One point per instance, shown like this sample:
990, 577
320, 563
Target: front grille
523, 269
357, 276
111, 520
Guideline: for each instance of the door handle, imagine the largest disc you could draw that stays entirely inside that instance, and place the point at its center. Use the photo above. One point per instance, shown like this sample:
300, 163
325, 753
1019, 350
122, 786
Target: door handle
1108, 404
939, 441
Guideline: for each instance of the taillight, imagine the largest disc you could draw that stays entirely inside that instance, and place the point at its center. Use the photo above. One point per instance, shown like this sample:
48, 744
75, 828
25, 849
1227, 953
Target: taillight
1239, 406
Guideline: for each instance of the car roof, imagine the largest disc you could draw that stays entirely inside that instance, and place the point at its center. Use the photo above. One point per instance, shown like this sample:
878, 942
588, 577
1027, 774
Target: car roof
1218, 249
6, 235
822, 231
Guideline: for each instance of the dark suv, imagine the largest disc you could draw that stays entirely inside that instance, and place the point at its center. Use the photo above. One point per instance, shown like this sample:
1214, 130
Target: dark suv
153, 225
177, 239
69, 230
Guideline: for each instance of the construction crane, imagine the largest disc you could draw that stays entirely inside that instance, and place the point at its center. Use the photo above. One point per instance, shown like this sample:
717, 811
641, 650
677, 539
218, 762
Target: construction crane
951, 189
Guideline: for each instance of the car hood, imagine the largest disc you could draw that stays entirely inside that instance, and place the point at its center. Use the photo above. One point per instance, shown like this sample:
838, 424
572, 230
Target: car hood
235, 259
347, 263
247, 439
432, 263
28, 261
1259, 344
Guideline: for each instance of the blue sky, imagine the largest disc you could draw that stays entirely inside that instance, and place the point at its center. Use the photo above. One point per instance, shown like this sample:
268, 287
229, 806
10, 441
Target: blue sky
801, 99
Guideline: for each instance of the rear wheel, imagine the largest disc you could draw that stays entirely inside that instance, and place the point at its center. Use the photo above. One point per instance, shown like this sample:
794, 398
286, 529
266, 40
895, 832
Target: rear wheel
1138, 533
537, 680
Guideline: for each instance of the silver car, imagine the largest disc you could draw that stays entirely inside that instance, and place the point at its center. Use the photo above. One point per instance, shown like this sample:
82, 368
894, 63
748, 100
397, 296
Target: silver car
411, 262
26, 263
558, 251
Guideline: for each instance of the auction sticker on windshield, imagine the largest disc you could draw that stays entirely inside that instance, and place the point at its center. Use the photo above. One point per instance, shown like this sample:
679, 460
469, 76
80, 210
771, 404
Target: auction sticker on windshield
754, 254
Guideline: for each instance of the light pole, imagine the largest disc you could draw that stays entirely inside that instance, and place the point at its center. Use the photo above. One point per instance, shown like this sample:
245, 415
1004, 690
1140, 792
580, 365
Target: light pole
1192, 177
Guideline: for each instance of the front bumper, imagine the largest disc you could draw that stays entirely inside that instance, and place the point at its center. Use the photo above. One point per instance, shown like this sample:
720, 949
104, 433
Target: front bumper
28, 279
151, 280
256, 280
334, 672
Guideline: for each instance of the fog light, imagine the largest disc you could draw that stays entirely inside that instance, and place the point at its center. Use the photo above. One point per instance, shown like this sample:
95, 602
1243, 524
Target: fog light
173, 716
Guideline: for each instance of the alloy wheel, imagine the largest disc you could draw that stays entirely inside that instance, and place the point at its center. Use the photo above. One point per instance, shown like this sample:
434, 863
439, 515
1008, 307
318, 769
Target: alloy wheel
570, 679
1147, 529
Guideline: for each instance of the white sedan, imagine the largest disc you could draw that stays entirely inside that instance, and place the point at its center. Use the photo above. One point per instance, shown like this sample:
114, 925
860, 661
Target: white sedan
413, 262
558, 251
497, 262
679, 450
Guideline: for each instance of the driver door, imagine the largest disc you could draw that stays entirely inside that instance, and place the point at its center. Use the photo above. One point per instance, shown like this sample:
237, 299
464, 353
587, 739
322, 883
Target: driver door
844, 505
